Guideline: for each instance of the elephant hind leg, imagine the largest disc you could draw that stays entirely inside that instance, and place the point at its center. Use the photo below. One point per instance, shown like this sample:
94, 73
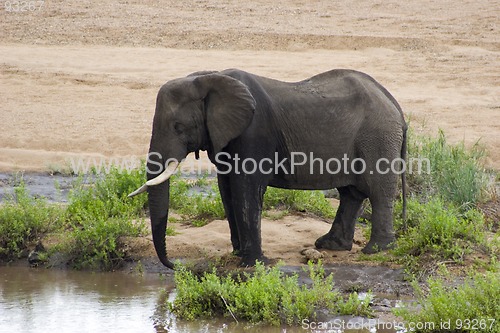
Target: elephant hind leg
382, 233
341, 234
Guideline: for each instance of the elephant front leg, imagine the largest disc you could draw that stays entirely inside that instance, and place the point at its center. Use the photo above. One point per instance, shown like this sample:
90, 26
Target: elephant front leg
247, 203
341, 235
225, 193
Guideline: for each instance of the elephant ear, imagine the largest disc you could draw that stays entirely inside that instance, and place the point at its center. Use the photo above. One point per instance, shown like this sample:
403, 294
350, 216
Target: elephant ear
229, 107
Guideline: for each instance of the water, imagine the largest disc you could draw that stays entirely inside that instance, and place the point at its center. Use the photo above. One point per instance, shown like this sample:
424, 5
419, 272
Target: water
54, 188
41, 300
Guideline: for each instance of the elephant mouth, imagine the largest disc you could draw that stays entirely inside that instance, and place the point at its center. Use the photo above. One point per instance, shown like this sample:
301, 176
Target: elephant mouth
161, 178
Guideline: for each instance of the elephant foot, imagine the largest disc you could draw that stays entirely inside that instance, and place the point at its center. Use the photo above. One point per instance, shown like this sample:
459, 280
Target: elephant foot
249, 261
331, 242
377, 246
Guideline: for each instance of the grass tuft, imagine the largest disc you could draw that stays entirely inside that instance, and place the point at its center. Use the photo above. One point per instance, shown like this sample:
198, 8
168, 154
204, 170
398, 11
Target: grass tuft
106, 197
471, 306
266, 296
440, 229
437, 231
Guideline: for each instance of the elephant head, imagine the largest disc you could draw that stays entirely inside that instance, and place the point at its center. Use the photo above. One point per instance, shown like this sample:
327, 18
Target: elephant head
198, 112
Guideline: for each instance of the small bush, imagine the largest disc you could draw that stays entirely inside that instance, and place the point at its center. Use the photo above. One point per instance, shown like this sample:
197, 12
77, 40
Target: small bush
100, 214
440, 230
107, 197
267, 296
24, 219
473, 306
456, 174
97, 245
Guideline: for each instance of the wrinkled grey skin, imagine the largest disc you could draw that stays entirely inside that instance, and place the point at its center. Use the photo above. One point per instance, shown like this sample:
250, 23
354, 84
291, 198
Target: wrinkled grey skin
331, 114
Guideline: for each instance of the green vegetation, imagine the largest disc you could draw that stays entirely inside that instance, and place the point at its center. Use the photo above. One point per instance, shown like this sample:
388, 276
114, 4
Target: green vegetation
89, 228
443, 223
97, 243
471, 306
100, 215
313, 202
198, 201
438, 231
106, 197
456, 174
24, 219
266, 296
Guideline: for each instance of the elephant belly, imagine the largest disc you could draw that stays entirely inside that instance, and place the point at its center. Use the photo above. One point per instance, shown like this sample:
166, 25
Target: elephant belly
310, 181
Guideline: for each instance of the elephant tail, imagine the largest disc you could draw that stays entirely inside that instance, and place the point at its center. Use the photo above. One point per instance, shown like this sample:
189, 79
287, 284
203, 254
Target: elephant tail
403, 174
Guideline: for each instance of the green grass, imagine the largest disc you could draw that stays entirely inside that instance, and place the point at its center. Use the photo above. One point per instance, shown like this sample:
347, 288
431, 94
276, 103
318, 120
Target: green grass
197, 201
436, 231
98, 243
456, 174
443, 223
23, 220
313, 202
99, 214
266, 296
439, 229
473, 306
89, 228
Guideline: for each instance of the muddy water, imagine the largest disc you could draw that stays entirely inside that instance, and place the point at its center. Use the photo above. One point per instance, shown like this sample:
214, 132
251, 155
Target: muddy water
43, 300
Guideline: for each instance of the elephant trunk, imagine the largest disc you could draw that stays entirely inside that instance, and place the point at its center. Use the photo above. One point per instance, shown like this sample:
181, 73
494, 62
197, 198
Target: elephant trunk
158, 201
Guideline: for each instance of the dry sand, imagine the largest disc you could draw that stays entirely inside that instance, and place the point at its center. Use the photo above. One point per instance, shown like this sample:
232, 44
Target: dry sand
80, 79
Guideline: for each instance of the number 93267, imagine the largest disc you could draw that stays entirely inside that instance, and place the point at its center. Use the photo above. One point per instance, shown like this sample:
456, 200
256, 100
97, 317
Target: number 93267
23, 6
474, 324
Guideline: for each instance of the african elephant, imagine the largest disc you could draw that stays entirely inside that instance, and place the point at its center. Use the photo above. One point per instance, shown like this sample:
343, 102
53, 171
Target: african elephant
340, 116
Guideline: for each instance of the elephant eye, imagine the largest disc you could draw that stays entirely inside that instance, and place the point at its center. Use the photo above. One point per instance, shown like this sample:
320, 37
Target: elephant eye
179, 128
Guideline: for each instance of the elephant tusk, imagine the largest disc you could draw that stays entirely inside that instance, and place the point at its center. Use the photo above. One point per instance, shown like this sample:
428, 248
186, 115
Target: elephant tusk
164, 176
141, 189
